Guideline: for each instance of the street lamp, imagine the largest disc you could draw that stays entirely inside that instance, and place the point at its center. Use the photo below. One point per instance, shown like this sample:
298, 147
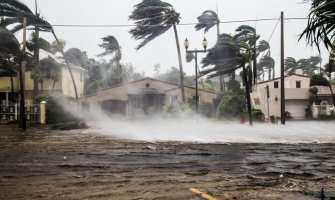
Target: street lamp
204, 44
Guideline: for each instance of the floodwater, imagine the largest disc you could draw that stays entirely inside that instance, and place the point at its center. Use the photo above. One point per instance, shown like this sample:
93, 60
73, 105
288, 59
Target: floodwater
86, 164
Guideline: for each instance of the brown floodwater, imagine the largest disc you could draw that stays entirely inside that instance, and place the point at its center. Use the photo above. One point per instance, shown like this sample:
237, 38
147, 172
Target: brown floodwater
45, 164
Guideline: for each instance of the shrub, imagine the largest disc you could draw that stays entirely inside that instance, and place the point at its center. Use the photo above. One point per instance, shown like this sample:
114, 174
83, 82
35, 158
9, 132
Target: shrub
231, 105
55, 113
257, 114
206, 109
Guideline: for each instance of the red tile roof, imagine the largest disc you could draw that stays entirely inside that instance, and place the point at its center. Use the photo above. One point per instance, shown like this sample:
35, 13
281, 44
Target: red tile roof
324, 90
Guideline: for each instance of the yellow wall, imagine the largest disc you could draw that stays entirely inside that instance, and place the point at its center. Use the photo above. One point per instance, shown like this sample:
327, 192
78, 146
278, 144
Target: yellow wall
67, 86
5, 83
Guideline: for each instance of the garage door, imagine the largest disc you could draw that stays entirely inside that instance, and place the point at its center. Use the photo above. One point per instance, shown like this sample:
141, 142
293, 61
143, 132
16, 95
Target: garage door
296, 108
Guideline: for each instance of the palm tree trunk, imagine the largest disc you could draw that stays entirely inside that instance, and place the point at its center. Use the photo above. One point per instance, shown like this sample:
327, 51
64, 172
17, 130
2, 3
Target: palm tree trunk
222, 87
269, 75
245, 80
68, 67
180, 65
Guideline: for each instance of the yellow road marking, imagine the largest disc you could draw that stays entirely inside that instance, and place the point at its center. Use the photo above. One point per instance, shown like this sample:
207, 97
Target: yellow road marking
204, 195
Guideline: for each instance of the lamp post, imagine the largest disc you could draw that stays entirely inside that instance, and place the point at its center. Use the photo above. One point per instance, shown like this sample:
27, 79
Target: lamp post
204, 44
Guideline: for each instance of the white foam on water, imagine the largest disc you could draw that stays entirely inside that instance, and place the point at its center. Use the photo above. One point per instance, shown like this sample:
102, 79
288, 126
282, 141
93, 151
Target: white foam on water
213, 131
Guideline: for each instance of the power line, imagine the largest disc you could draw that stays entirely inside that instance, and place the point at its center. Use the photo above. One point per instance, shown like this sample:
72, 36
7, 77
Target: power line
274, 29
182, 24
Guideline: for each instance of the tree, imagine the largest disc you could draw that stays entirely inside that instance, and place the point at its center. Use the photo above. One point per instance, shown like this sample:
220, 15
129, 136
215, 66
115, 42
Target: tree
268, 63
291, 65
329, 68
153, 18
231, 53
206, 21
112, 47
320, 26
13, 12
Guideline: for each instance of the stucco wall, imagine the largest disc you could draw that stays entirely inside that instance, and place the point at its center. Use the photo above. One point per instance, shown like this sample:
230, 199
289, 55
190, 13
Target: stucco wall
67, 86
291, 94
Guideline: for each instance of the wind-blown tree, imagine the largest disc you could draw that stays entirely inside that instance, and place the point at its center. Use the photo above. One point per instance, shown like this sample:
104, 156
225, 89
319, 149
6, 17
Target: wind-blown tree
229, 54
329, 68
320, 26
112, 48
267, 62
291, 65
10, 51
14, 11
152, 19
207, 20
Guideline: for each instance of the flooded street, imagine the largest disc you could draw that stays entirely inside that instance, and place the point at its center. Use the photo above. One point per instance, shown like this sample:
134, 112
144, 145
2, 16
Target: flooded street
43, 164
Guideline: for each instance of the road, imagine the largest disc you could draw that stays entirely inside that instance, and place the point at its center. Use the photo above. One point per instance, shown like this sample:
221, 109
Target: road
44, 164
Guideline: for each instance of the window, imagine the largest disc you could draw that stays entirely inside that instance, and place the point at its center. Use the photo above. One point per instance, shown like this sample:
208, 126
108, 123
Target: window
257, 101
298, 84
275, 84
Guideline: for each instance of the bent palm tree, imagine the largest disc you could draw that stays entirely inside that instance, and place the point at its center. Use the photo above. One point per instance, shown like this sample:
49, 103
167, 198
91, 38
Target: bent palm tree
320, 25
229, 54
291, 65
13, 12
112, 47
268, 63
152, 19
206, 21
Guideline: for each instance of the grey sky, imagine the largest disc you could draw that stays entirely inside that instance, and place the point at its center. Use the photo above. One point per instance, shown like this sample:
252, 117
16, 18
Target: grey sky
162, 50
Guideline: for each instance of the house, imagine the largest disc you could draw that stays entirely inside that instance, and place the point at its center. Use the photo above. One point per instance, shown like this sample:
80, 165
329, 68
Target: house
296, 96
143, 97
324, 105
56, 80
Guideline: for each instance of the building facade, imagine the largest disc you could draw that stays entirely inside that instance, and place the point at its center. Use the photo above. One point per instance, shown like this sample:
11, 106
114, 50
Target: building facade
143, 97
296, 96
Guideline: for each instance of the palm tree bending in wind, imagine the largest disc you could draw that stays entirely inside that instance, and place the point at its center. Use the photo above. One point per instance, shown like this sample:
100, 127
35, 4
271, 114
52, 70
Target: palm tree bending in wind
152, 19
206, 21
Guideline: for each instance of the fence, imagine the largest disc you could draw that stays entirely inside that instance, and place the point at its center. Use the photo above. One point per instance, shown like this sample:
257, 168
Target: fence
10, 112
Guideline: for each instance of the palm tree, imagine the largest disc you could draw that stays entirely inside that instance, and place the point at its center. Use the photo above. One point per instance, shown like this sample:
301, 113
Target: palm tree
13, 12
229, 54
153, 18
112, 47
268, 63
320, 25
291, 65
206, 21
10, 48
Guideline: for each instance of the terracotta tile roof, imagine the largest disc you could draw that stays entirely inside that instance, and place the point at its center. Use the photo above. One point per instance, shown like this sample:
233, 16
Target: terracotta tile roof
324, 90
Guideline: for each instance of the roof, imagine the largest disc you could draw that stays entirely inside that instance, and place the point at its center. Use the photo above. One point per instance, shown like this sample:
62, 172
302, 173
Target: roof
324, 90
152, 79
285, 77
4, 72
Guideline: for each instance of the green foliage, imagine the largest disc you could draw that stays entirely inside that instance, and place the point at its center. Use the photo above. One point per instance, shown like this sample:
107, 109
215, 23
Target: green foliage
320, 26
231, 106
55, 113
234, 86
207, 109
313, 94
152, 18
318, 79
257, 114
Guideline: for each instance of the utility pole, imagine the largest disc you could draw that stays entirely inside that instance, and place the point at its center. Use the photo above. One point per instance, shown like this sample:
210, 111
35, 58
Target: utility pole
36, 54
22, 74
282, 80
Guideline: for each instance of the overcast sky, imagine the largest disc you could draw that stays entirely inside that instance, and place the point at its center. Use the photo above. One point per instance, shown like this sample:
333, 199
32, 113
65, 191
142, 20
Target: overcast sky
162, 50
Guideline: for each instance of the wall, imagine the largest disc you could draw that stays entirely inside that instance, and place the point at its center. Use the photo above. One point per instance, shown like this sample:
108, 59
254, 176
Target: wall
292, 94
67, 86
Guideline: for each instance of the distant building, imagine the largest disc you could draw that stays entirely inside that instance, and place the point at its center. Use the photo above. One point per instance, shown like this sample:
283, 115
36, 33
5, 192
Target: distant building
56, 79
143, 97
296, 96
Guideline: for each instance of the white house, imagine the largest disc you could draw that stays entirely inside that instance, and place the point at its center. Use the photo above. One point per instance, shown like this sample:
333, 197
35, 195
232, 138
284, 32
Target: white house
296, 96
142, 97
